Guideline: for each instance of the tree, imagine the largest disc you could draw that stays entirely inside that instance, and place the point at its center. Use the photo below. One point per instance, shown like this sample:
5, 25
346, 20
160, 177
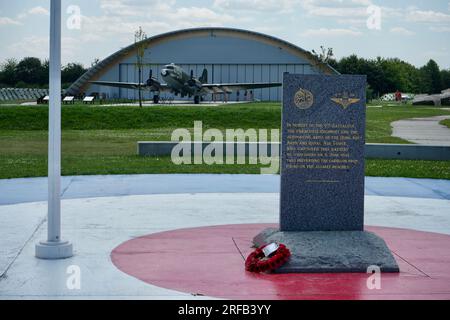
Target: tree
325, 55
445, 75
44, 74
431, 77
375, 76
349, 65
71, 72
395, 75
29, 70
386, 75
141, 46
8, 72
371, 68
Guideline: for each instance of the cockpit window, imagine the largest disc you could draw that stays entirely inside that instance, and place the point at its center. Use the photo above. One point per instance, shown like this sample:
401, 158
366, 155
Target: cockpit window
170, 67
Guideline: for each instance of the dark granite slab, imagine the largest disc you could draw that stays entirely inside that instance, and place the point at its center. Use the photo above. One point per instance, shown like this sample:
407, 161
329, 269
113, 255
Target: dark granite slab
331, 251
323, 138
322, 178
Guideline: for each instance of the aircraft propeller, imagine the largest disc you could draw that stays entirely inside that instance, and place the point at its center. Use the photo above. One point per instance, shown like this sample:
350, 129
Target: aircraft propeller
191, 81
150, 78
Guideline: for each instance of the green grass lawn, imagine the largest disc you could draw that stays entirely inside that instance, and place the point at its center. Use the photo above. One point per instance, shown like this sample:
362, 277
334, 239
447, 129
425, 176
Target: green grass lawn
446, 123
23, 166
102, 140
82, 117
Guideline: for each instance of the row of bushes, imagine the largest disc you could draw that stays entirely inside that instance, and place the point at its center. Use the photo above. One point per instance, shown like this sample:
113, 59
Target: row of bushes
33, 73
390, 75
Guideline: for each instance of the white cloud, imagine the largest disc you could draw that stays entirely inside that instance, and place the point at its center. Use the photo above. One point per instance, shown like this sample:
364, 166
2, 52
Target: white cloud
39, 10
353, 22
200, 15
401, 31
354, 11
336, 8
8, 21
281, 6
34, 11
428, 16
108, 26
391, 12
122, 17
136, 8
112, 25
324, 32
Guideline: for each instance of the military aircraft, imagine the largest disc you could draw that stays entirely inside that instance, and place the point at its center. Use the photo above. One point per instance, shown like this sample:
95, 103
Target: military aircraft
178, 82
442, 99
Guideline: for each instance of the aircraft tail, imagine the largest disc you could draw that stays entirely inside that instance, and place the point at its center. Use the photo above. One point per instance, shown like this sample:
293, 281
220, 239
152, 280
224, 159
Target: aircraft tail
204, 77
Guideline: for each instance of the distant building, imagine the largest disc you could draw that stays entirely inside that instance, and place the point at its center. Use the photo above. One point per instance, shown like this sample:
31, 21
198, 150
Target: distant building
229, 55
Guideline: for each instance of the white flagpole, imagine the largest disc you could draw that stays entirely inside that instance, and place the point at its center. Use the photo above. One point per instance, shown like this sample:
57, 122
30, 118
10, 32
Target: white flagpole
54, 247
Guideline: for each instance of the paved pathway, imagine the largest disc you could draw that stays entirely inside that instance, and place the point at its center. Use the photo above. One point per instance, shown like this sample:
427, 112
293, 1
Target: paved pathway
74, 187
423, 131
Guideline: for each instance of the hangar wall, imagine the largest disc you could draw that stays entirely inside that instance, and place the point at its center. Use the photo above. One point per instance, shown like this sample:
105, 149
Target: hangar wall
229, 55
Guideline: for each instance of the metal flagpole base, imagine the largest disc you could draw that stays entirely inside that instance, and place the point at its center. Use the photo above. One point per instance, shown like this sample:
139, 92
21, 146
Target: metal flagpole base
53, 250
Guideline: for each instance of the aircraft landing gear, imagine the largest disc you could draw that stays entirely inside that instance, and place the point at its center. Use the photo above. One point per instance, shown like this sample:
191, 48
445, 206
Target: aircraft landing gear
156, 99
197, 99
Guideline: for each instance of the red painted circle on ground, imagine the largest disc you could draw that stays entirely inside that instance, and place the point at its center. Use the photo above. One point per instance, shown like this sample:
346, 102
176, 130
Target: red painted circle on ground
207, 261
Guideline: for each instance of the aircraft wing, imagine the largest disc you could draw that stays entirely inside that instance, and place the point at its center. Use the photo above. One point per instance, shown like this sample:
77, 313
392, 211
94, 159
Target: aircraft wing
156, 86
230, 87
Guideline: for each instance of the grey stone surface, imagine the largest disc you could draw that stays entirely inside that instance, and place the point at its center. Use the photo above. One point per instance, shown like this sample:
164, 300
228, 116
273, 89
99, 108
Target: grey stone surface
427, 131
155, 148
331, 251
319, 192
407, 152
372, 150
243, 149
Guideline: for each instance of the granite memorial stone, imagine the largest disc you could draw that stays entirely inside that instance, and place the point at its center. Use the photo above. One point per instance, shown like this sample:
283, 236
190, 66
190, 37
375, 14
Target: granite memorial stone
322, 170
322, 178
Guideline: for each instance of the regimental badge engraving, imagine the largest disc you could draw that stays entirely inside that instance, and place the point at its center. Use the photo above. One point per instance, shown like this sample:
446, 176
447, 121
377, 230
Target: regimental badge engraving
345, 99
304, 99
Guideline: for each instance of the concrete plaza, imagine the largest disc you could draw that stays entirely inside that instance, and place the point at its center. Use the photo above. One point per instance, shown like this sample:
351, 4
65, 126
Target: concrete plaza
101, 212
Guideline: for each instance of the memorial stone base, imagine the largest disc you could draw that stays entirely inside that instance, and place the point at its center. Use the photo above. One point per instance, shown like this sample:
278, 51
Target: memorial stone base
331, 251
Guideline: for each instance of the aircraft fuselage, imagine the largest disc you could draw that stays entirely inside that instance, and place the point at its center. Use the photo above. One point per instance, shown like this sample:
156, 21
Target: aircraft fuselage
180, 82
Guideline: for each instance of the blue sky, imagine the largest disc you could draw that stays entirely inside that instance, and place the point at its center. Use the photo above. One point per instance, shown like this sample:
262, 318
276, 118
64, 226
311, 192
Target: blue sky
413, 30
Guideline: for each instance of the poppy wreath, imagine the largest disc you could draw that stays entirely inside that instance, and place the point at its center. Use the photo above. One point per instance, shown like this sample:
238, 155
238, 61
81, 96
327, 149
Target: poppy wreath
257, 262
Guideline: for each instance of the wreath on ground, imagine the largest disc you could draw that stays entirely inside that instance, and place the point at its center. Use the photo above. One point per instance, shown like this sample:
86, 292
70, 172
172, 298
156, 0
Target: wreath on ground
262, 261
